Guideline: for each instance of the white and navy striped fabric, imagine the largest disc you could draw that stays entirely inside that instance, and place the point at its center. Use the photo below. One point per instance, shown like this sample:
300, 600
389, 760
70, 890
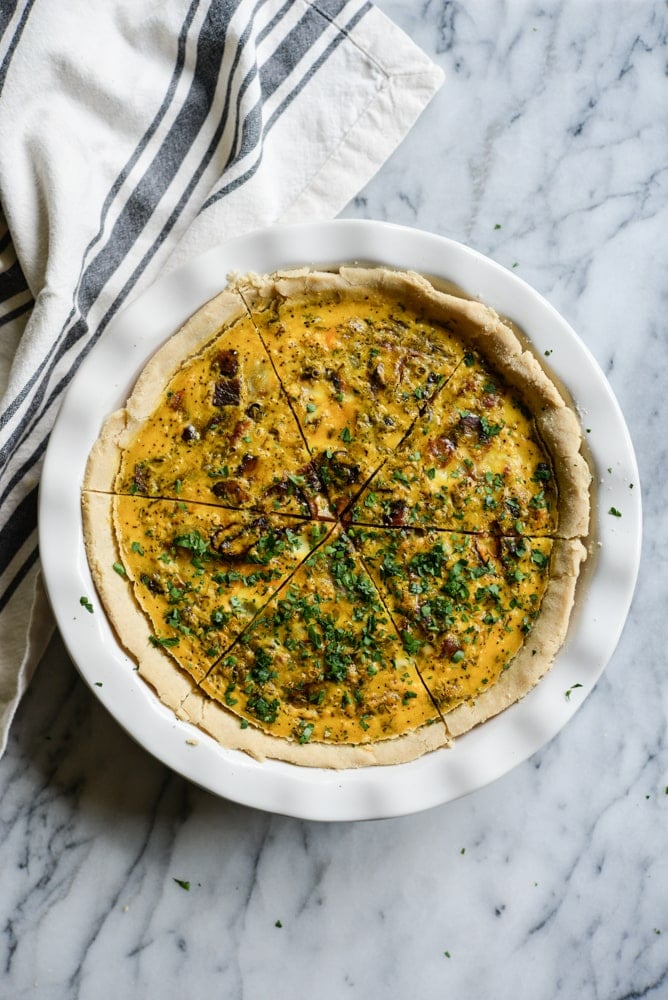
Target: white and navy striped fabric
134, 134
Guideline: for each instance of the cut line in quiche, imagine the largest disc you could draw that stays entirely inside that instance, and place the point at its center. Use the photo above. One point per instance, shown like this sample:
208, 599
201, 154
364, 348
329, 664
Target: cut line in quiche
465, 604
358, 361
323, 661
208, 421
200, 574
341, 518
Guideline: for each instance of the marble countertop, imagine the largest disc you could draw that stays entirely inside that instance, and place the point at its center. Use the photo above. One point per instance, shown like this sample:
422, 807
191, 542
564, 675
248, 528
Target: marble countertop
547, 149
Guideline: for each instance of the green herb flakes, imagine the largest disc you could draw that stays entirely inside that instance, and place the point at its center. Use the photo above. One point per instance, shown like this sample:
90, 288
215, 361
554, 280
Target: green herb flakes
166, 641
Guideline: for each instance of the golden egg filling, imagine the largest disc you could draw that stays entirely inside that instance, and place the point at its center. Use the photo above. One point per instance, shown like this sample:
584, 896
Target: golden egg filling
341, 517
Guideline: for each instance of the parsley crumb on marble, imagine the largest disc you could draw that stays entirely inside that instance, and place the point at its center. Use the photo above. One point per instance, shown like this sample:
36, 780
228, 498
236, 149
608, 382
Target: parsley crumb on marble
85, 603
278, 923
447, 954
183, 883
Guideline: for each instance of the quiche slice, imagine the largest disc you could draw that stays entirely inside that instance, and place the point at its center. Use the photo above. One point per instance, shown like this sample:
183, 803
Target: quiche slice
359, 357
474, 461
208, 421
198, 573
323, 663
464, 604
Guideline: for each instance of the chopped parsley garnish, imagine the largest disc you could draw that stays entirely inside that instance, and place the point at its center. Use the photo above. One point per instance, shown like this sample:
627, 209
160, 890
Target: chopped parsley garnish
167, 641
489, 430
85, 603
305, 731
411, 644
265, 711
193, 542
543, 473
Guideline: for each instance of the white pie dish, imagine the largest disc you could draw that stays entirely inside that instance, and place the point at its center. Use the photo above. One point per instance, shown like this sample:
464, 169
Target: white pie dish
604, 592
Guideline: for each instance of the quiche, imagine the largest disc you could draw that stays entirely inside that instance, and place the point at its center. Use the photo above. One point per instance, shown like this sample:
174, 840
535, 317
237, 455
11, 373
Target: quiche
341, 518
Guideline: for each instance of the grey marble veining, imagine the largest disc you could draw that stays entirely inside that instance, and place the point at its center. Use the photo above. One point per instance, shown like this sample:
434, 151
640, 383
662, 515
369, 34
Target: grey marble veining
547, 149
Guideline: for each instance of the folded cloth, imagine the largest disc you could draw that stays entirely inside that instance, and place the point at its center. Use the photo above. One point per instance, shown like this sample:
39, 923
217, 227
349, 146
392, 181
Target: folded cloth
132, 138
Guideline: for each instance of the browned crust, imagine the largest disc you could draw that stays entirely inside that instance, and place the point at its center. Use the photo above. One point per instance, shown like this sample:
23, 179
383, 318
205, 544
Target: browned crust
480, 328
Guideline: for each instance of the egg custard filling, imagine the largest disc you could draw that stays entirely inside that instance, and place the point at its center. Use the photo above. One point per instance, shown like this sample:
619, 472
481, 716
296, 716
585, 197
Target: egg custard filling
341, 517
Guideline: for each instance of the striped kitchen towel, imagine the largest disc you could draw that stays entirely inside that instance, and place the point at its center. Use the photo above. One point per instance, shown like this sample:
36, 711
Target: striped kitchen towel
134, 134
